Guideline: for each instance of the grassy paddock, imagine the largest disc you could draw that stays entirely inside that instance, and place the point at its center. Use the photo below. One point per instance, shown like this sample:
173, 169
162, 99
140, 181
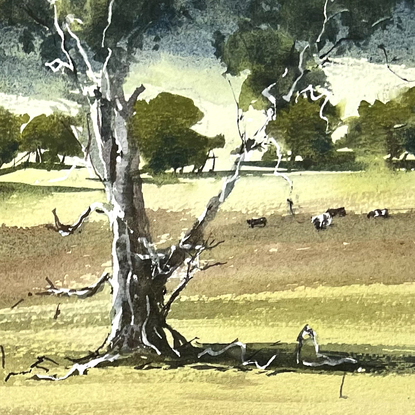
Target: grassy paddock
338, 315
313, 193
184, 391
352, 283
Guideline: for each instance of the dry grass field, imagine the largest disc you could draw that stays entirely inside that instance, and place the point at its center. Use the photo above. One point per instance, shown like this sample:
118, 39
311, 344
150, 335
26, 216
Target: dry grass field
353, 283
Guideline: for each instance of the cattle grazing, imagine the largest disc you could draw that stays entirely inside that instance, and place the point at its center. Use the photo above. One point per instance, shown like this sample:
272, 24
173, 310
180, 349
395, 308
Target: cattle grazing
377, 213
257, 222
341, 211
321, 221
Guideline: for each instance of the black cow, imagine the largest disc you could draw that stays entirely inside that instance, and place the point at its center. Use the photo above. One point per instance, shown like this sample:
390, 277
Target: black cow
257, 222
341, 211
377, 213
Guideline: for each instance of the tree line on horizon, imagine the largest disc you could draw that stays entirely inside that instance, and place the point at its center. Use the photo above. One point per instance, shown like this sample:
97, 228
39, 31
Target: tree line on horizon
162, 128
382, 130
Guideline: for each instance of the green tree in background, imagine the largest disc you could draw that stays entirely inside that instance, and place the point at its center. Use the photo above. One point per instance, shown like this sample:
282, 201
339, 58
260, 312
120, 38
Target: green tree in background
165, 138
383, 128
300, 129
10, 134
50, 136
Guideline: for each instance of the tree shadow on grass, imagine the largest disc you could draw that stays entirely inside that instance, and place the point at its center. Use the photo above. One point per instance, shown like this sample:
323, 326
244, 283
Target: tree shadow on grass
270, 359
275, 358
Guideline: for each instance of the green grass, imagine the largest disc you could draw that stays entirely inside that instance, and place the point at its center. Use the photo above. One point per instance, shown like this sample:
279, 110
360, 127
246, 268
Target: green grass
122, 390
352, 283
253, 195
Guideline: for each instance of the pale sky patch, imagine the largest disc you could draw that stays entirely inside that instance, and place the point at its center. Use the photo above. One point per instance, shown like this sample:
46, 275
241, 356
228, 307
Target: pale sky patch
354, 80
201, 79
34, 107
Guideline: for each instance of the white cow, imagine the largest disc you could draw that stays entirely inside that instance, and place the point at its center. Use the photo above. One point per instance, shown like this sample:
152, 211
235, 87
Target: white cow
321, 221
384, 213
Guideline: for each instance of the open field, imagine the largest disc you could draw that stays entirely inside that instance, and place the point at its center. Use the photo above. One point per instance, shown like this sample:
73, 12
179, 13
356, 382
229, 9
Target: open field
313, 193
353, 284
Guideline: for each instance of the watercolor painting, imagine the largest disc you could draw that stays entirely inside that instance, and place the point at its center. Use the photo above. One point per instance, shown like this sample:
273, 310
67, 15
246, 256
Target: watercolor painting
207, 206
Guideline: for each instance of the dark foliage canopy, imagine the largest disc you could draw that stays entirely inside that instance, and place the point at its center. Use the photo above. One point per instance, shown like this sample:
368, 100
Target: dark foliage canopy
384, 128
165, 138
9, 134
52, 133
301, 129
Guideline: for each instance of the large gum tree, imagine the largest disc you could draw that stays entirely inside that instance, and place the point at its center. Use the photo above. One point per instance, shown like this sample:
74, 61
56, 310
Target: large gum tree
94, 43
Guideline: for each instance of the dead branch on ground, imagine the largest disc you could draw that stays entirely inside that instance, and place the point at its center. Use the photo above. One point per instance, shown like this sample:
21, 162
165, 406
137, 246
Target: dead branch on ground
16, 304
84, 292
35, 365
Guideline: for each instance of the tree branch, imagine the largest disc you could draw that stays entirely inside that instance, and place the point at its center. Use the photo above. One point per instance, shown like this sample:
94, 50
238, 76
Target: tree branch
35, 365
66, 230
192, 268
175, 294
338, 43
79, 293
32, 15
133, 98
90, 355
79, 369
382, 47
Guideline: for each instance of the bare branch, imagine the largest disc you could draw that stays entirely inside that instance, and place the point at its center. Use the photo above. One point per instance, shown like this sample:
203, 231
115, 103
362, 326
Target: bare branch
301, 69
85, 292
382, 47
35, 365
16, 304
32, 15
133, 98
258, 366
90, 355
216, 264
66, 230
324, 23
89, 72
109, 21
58, 64
316, 98
338, 43
239, 114
182, 285
79, 369
235, 343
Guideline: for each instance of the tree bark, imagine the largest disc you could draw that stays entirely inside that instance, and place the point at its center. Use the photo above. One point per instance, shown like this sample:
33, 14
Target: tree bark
138, 322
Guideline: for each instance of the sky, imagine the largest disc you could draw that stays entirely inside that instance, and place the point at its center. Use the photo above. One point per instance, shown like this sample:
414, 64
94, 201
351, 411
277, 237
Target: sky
186, 66
201, 79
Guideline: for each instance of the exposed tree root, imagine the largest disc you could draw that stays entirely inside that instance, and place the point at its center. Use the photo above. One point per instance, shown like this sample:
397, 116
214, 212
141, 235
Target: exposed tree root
35, 365
79, 369
317, 359
84, 292
244, 361
273, 358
